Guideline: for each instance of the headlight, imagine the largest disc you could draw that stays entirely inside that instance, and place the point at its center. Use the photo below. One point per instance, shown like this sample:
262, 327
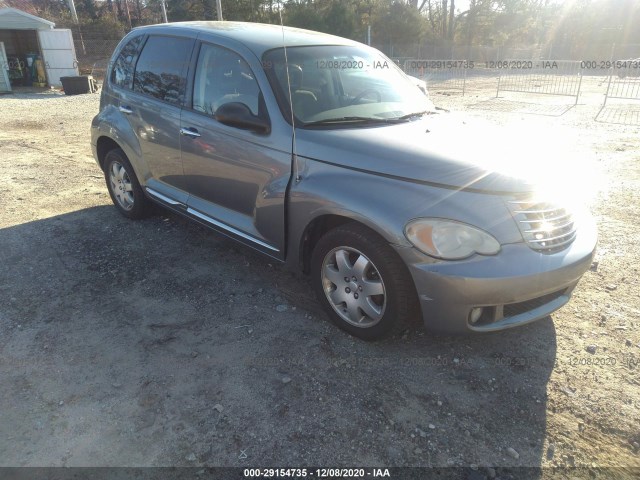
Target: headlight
448, 239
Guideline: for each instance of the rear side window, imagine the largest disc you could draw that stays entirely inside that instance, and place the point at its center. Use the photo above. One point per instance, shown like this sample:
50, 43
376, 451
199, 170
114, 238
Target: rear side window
122, 72
162, 68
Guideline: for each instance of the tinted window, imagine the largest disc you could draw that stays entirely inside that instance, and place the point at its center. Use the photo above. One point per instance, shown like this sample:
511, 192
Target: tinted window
162, 67
222, 76
122, 72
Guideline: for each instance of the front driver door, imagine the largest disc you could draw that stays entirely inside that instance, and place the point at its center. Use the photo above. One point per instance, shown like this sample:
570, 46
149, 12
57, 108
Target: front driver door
236, 179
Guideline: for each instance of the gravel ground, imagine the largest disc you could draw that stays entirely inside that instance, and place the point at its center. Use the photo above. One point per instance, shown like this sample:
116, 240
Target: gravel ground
158, 343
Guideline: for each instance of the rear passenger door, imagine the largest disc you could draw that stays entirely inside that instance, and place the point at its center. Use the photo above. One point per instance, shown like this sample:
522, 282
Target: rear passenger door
237, 179
153, 109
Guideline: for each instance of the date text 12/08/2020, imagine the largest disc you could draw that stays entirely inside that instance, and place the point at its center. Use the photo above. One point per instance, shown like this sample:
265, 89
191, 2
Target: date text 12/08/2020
492, 64
342, 64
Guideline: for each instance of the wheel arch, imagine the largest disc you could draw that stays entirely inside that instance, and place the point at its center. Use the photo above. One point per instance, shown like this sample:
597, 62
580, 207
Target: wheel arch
110, 129
320, 225
105, 143
400, 294
103, 146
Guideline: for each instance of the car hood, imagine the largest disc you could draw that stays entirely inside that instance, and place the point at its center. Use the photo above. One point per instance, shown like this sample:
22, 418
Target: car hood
440, 149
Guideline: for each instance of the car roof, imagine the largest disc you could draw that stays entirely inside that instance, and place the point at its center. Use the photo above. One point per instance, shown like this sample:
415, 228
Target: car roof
258, 37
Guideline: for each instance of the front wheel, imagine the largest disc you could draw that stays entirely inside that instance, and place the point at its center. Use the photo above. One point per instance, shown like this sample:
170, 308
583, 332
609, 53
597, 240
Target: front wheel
362, 283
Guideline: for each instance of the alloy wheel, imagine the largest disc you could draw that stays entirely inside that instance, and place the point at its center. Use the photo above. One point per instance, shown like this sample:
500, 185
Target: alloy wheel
353, 286
121, 185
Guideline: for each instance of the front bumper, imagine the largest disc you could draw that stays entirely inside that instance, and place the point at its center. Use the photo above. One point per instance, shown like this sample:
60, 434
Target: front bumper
515, 287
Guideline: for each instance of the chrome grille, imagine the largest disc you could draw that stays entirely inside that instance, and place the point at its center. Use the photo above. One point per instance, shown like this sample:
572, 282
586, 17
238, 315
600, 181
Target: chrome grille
544, 226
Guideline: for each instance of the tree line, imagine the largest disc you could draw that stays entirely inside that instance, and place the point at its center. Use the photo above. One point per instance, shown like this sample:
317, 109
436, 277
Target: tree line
570, 26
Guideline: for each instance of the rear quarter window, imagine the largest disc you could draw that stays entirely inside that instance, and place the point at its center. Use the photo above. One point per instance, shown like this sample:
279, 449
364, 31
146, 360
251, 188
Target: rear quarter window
122, 71
162, 68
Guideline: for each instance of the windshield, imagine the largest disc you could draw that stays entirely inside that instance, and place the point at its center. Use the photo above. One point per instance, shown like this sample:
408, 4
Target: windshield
343, 85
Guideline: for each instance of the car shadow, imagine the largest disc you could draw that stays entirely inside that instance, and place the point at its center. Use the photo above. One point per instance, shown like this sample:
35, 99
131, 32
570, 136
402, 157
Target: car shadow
215, 349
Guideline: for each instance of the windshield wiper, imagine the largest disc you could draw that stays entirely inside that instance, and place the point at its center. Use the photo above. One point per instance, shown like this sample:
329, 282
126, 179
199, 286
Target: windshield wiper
372, 120
414, 114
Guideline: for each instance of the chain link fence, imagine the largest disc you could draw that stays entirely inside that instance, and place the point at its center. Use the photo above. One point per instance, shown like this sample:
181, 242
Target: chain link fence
94, 58
443, 75
485, 53
535, 70
476, 53
94, 45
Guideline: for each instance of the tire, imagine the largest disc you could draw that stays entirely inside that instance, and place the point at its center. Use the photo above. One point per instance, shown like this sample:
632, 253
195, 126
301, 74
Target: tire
381, 298
123, 186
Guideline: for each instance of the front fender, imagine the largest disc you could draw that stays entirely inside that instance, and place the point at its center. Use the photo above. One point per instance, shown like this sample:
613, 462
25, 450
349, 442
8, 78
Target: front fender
386, 204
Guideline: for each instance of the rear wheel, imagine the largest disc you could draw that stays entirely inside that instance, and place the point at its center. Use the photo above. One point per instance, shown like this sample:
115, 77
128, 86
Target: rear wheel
124, 188
362, 283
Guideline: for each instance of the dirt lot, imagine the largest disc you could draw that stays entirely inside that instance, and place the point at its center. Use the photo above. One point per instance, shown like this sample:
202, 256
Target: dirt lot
158, 343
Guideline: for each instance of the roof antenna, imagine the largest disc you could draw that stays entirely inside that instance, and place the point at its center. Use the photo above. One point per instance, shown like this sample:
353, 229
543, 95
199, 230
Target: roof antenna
296, 171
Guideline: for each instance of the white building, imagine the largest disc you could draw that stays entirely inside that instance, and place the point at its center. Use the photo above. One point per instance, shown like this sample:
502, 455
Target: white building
23, 34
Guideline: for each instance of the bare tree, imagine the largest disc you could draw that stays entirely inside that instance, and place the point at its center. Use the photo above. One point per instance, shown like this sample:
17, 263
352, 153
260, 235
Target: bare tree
443, 19
138, 11
451, 18
471, 22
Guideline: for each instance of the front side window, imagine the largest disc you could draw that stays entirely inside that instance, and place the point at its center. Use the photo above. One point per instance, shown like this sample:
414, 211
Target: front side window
162, 67
122, 72
221, 77
342, 85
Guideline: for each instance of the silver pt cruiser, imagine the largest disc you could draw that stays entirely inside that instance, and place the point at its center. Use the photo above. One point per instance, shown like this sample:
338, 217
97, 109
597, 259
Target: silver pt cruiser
319, 152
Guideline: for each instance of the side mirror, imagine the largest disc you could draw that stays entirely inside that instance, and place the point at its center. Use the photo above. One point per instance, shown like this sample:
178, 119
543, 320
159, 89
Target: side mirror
236, 114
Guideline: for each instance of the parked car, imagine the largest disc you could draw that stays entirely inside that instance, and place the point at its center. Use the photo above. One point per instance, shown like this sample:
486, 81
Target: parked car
421, 84
326, 157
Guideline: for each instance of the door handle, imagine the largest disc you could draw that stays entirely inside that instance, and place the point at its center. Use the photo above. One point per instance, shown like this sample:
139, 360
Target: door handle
126, 110
189, 132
